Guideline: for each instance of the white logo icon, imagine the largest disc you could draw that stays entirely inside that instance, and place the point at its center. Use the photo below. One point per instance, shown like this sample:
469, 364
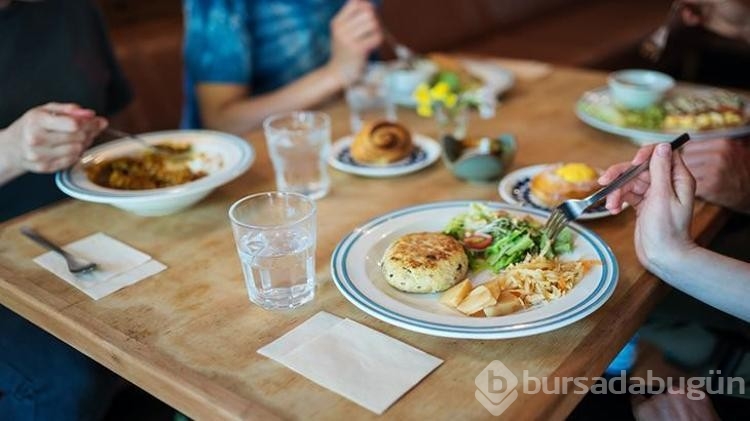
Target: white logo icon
496, 388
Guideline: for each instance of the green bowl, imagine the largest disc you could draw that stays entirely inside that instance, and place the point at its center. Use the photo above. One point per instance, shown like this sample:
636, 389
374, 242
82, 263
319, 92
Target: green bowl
486, 161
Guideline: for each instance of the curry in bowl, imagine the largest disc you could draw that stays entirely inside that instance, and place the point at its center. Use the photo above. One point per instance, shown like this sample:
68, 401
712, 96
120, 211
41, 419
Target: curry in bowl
170, 166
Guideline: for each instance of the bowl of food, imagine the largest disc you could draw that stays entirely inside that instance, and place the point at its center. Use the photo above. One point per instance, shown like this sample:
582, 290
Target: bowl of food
636, 88
402, 80
124, 174
563, 181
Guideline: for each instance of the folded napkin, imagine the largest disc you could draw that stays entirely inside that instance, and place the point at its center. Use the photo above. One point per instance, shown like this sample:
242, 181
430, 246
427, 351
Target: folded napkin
359, 363
118, 265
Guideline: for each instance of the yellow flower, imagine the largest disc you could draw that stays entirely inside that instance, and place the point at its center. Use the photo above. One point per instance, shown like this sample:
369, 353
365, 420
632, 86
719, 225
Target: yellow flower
424, 110
422, 94
450, 100
440, 91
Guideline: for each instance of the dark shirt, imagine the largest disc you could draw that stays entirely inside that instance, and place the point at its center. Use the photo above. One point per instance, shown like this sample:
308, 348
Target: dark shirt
53, 51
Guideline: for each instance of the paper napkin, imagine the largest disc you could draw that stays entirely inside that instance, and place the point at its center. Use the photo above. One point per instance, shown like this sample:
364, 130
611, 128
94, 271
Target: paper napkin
359, 363
118, 265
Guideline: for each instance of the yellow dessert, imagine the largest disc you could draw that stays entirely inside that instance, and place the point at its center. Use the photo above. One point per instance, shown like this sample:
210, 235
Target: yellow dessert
560, 182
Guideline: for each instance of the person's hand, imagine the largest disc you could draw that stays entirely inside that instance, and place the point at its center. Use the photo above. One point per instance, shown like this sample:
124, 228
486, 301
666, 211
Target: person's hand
721, 169
694, 12
663, 198
355, 33
53, 136
675, 405
727, 18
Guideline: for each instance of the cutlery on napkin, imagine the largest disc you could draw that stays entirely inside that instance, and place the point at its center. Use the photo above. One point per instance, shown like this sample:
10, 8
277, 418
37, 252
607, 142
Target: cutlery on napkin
118, 265
359, 363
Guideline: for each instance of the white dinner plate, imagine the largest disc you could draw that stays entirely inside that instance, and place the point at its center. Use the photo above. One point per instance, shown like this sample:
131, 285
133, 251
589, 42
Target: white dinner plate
426, 152
222, 156
602, 96
356, 273
495, 77
514, 188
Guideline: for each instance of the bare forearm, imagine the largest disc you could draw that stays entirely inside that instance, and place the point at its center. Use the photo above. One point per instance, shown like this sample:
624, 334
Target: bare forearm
246, 114
9, 157
712, 278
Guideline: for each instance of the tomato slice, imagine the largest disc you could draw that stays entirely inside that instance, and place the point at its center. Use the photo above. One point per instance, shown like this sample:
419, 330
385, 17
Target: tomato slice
479, 241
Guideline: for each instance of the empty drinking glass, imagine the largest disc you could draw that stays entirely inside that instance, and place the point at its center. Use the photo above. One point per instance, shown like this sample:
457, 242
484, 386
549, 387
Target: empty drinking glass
368, 98
275, 237
298, 143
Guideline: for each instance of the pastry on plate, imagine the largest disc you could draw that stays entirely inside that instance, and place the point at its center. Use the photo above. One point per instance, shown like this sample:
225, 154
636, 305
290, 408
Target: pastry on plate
561, 182
381, 143
425, 262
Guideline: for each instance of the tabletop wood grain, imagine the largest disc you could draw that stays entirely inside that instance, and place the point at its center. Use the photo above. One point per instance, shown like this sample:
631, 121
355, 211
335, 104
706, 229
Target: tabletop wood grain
189, 335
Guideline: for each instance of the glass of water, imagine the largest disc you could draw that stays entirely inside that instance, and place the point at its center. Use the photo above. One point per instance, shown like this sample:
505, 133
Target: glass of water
298, 143
368, 98
275, 237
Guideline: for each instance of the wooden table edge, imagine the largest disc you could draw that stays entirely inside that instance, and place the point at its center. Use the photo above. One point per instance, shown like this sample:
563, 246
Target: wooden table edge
183, 391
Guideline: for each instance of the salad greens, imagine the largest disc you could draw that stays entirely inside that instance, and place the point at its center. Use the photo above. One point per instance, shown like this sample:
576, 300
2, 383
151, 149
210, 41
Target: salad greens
650, 118
495, 239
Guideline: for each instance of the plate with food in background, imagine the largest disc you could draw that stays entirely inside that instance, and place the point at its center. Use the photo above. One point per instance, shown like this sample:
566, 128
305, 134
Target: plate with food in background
545, 186
646, 107
383, 149
474, 270
402, 81
186, 166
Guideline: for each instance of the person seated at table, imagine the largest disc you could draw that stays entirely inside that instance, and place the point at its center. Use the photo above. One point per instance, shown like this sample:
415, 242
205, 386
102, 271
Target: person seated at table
56, 84
59, 76
709, 42
247, 59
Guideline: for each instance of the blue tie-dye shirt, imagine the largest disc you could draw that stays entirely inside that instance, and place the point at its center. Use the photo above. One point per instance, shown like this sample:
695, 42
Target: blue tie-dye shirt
264, 44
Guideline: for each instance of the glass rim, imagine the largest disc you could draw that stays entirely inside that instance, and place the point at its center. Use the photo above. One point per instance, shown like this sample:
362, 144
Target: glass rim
268, 121
308, 215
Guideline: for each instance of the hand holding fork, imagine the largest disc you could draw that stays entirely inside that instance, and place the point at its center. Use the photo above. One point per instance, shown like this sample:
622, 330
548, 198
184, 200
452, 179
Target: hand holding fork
572, 209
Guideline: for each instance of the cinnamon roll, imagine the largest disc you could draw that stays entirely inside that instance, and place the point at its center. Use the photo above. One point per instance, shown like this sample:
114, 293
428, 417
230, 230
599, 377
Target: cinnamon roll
381, 143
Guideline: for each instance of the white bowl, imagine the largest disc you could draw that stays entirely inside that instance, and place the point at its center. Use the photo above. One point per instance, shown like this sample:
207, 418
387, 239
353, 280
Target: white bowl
636, 88
402, 82
224, 157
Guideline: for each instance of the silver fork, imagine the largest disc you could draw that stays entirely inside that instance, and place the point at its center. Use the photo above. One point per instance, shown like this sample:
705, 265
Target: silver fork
654, 45
404, 54
572, 209
75, 264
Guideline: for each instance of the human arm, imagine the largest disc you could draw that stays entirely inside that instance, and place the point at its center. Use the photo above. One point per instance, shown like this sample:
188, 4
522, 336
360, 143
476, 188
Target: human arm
46, 139
355, 32
663, 199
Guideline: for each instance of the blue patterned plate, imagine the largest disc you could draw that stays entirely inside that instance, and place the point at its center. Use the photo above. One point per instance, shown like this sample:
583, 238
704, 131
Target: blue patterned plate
356, 273
514, 189
426, 152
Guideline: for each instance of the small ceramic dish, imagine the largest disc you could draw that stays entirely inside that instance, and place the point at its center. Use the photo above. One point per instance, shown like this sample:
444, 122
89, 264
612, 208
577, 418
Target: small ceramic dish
635, 88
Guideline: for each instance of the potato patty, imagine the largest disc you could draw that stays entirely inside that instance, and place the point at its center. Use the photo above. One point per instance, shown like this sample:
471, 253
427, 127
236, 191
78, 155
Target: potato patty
424, 262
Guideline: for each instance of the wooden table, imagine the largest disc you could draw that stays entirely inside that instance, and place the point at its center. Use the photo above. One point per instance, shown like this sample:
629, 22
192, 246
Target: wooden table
189, 335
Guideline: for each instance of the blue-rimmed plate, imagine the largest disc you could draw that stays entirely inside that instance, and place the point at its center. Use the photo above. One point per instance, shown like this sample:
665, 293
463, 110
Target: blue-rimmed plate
426, 152
514, 188
356, 273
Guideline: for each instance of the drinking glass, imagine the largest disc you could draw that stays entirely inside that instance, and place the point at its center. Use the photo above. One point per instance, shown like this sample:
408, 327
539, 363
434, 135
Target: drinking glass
368, 98
298, 143
275, 237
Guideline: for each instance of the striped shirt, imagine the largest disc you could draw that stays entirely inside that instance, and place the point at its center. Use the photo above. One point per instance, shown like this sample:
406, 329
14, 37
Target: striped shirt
264, 44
